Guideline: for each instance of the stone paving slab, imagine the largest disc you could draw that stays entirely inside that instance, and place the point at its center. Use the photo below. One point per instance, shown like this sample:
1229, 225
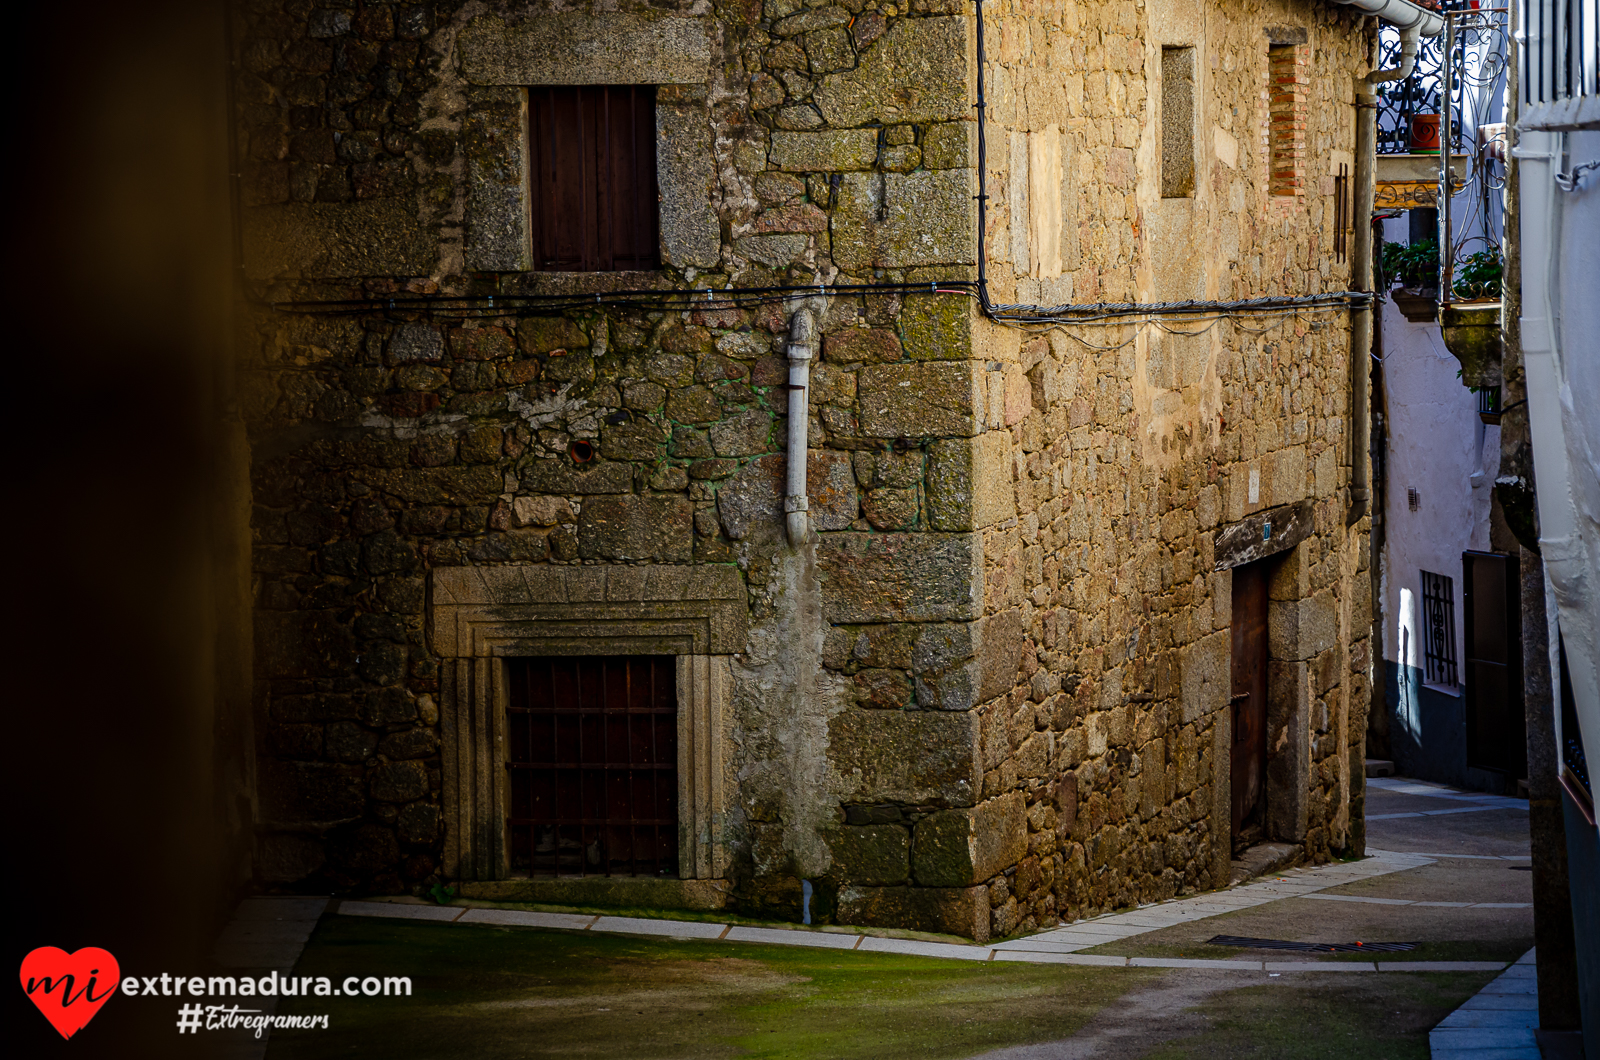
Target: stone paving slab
924, 949
782, 937
1440, 966
1503, 1001
525, 918
271, 908
1321, 966
400, 911
1093, 960
1183, 962
1048, 947
1497, 1023
678, 929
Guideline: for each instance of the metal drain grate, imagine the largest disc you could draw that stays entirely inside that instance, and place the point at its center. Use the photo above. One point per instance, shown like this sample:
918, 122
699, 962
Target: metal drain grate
1312, 947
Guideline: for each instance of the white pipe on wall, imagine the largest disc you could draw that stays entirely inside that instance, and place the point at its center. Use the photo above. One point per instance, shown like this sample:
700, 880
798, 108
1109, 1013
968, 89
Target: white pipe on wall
1401, 13
802, 348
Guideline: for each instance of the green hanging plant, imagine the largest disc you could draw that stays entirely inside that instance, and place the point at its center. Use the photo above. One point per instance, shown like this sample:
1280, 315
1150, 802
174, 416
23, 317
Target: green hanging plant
1479, 275
1412, 264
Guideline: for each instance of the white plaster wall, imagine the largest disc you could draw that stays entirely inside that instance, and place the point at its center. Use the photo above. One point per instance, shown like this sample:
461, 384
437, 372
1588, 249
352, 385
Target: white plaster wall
1435, 443
1577, 314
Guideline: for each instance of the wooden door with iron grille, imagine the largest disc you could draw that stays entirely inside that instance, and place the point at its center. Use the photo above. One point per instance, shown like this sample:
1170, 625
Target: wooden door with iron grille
1491, 585
592, 758
1248, 705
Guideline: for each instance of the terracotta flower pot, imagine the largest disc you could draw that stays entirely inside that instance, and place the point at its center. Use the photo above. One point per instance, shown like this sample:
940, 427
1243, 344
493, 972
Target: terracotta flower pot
1425, 134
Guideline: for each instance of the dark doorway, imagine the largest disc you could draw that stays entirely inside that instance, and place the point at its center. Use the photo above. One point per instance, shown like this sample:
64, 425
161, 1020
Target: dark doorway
1248, 750
592, 753
1493, 662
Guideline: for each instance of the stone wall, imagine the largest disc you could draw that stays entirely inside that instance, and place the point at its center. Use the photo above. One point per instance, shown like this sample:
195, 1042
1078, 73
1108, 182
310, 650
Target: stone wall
984, 694
1114, 467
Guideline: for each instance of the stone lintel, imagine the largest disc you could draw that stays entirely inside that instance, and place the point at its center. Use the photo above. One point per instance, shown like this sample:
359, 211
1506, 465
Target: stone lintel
583, 48
1266, 533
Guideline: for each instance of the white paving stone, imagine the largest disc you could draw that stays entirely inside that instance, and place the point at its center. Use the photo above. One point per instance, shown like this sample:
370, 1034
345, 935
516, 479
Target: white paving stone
924, 949
1095, 960
680, 929
1359, 898
1182, 962
1321, 966
1049, 947
823, 940
400, 911
526, 918
1440, 966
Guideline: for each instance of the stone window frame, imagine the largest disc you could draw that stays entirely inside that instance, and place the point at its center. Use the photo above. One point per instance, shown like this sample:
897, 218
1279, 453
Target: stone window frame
501, 61
481, 616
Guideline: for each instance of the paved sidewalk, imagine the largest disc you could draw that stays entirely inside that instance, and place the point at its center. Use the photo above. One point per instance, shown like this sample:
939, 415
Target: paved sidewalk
266, 934
1498, 1023
1051, 947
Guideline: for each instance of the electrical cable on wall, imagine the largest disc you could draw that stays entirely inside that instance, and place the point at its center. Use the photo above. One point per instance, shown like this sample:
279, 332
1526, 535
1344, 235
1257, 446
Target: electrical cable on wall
1028, 317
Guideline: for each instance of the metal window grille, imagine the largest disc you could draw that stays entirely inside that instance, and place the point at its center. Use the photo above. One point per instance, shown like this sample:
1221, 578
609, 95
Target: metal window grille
592, 753
1413, 498
1341, 212
1438, 628
595, 204
1560, 57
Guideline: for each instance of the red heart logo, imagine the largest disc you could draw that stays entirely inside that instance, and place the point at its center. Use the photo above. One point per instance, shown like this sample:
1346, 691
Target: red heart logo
69, 988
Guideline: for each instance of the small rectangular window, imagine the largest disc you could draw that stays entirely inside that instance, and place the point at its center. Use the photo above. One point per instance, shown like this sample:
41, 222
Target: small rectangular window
595, 206
1438, 629
1177, 123
592, 753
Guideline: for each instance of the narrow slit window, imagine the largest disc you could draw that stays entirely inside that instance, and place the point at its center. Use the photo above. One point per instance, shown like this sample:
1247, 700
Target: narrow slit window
1177, 123
592, 753
1438, 629
594, 202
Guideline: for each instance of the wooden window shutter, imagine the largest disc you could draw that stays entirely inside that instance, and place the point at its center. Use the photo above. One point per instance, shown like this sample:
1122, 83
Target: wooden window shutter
595, 204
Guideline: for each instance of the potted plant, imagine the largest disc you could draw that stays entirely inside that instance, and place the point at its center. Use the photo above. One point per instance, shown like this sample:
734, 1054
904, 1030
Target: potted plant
1415, 267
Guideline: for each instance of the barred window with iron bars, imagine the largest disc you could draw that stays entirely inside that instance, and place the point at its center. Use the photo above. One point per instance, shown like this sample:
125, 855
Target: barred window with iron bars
1438, 629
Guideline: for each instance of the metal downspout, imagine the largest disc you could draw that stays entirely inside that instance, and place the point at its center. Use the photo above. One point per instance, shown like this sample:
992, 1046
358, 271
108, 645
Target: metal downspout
802, 349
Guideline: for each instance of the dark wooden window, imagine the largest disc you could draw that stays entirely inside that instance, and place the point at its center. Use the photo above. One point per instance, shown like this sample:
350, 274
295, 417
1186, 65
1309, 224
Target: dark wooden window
593, 150
592, 752
1492, 658
1438, 629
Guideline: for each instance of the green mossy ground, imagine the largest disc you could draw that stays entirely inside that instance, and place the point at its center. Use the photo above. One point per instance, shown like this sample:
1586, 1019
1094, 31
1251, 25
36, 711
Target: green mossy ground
485, 992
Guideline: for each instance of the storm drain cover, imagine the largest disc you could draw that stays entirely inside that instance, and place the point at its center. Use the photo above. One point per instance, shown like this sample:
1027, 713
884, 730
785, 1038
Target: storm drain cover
1312, 947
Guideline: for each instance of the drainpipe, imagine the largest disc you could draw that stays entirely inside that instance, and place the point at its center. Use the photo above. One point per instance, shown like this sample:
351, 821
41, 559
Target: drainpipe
802, 348
1362, 323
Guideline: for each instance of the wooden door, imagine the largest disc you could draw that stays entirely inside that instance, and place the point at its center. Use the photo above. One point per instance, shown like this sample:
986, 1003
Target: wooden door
1248, 750
1493, 662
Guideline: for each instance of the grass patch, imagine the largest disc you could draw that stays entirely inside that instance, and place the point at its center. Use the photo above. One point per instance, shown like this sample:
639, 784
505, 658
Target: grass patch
487, 992
1373, 1017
